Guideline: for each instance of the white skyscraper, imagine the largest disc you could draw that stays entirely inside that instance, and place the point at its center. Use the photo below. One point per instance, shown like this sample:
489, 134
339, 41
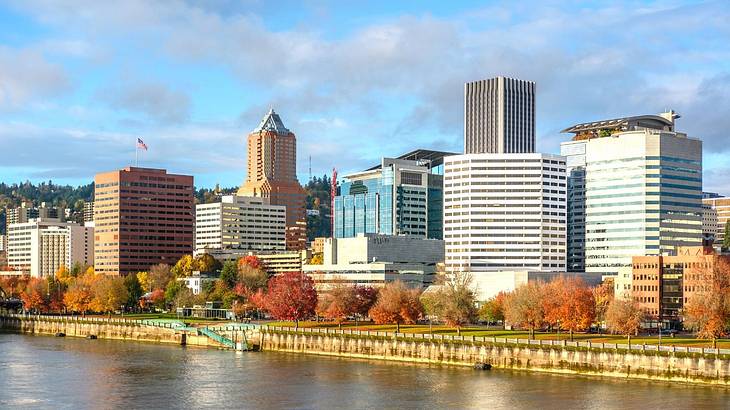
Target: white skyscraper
504, 212
240, 223
499, 116
637, 187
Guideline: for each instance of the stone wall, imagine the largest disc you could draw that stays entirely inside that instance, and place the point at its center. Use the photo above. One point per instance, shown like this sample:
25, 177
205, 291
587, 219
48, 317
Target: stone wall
103, 329
681, 367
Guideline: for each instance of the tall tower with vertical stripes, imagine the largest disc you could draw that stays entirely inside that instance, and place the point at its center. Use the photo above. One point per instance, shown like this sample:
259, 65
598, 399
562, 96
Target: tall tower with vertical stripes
499, 116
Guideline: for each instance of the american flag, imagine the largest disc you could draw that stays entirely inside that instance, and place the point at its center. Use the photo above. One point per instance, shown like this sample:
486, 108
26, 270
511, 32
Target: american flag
141, 144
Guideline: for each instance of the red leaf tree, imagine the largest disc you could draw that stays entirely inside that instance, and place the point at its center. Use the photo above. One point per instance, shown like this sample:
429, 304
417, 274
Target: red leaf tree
397, 304
291, 296
34, 296
365, 298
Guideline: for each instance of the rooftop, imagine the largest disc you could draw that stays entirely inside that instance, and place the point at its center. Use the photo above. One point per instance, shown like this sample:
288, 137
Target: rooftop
432, 158
272, 122
663, 121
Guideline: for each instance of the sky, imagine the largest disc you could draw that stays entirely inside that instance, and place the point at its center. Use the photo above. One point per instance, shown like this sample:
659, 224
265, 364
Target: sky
80, 80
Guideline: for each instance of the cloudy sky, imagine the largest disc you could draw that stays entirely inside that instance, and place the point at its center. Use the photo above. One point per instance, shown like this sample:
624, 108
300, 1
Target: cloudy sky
80, 80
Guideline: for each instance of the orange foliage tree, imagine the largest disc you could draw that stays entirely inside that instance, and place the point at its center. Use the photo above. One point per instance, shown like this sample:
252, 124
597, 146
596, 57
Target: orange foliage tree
624, 317
109, 293
708, 310
397, 304
35, 295
79, 295
575, 308
338, 303
524, 307
493, 309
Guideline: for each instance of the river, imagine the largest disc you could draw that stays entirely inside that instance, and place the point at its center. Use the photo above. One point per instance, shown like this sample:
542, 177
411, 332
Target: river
48, 372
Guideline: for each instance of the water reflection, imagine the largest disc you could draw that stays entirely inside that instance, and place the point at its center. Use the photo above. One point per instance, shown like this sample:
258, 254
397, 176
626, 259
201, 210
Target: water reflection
47, 372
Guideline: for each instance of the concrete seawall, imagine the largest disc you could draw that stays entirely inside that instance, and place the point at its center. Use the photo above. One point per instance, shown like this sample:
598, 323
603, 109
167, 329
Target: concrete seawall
102, 329
693, 368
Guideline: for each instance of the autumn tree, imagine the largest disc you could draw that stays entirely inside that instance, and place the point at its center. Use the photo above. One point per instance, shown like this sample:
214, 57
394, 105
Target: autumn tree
365, 298
453, 300
575, 306
159, 276
602, 297
35, 296
492, 311
206, 263
397, 304
338, 303
624, 317
253, 277
79, 295
184, 266
144, 281
291, 296
134, 290
708, 310
524, 307
251, 261
109, 293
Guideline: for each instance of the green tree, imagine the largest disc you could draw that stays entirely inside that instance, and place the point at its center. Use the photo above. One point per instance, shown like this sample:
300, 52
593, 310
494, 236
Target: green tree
229, 273
172, 290
726, 236
134, 290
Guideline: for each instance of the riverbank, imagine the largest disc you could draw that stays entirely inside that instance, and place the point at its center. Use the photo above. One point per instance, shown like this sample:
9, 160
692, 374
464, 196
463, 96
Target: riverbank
650, 362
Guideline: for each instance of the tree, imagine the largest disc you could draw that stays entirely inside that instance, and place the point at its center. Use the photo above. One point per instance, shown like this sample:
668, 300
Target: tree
524, 307
291, 296
338, 303
79, 295
159, 276
453, 300
397, 304
184, 266
492, 310
576, 308
229, 273
109, 293
64, 275
207, 263
134, 290
250, 261
317, 259
253, 278
145, 281
602, 297
708, 310
34, 295
624, 317
726, 236
365, 298
157, 298
172, 290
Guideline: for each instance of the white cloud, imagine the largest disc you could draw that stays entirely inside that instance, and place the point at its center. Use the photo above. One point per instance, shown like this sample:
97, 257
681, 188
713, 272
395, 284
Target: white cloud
26, 76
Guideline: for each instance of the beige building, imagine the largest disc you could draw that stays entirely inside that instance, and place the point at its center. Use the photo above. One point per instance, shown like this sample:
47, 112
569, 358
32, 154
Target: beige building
716, 213
272, 174
374, 260
243, 223
40, 246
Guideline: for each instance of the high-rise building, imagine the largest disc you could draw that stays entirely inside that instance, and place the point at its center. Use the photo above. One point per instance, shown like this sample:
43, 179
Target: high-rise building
143, 217
26, 211
504, 212
41, 246
635, 188
717, 213
401, 196
272, 174
88, 211
499, 116
240, 223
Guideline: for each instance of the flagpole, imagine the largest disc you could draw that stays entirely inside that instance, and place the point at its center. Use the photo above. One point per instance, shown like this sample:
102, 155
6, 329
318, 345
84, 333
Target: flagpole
136, 150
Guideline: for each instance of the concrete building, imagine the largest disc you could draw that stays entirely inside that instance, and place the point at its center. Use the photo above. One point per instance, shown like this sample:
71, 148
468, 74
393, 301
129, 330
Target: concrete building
143, 217
243, 223
318, 245
401, 196
635, 187
504, 212
272, 174
41, 246
88, 213
373, 260
716, 214
3, 251
487, 286
26, 211
499, 116
662, 285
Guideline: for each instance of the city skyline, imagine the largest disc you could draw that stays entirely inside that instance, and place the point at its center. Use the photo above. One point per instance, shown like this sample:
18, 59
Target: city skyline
77, 92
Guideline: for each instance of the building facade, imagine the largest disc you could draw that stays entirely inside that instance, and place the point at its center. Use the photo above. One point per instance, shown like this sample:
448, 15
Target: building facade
374, 260
635, 187
662, 285
499, 116
245, 223
88, 212
399, 197
41, 247
143, 217
504, 212
272, 174
717, 215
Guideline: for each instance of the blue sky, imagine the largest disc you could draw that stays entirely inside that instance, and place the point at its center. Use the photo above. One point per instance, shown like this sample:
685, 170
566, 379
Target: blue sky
80, 80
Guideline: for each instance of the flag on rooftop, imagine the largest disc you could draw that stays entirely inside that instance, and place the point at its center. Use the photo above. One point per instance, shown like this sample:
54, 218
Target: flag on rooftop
141, 144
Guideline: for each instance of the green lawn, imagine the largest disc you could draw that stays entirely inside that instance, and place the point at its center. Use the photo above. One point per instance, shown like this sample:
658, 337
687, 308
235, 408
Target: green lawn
679, 340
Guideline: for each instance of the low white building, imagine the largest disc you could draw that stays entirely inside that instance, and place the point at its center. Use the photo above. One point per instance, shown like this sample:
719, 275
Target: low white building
374, 260
42, 246
196, 281
240, 223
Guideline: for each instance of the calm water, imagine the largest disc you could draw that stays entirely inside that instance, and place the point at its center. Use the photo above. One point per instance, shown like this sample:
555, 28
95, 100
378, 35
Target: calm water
48, 372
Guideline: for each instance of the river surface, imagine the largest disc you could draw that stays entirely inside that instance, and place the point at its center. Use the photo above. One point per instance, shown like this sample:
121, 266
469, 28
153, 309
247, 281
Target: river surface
48, 372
